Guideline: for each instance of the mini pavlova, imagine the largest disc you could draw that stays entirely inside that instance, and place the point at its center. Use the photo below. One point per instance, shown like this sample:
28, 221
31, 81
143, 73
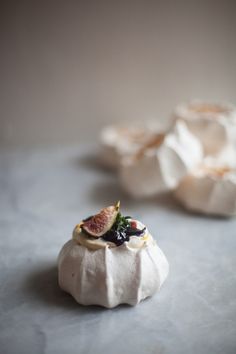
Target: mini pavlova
123, 140
161, 163
214, 124
110, 260
210, 190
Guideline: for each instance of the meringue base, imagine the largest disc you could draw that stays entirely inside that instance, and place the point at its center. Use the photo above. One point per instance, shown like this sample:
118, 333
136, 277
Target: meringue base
111, 276
212, 192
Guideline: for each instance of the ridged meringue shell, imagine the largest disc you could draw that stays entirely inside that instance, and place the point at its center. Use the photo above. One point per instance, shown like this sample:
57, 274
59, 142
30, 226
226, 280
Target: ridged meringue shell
226, 157
213, 124
161, 168
209, 190
119, 141
111, 276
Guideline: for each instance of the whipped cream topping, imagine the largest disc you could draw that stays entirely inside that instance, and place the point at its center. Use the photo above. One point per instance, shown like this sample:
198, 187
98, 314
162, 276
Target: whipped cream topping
93, 243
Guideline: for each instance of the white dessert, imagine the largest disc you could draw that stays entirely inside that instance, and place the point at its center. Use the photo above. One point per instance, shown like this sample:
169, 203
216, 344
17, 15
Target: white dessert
119, 141
98, 272
226, 157
213, 124
209, 190
161, 163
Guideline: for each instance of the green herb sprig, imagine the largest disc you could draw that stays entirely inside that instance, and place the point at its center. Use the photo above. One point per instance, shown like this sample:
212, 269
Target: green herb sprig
121, 223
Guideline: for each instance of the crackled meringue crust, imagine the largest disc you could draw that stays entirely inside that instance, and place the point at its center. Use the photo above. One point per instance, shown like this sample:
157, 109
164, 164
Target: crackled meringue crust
110, 276
213, 124
159, 168
210, 190
119, 141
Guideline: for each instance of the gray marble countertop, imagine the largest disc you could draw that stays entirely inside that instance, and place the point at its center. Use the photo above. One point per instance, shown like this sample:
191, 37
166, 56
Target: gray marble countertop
44, 193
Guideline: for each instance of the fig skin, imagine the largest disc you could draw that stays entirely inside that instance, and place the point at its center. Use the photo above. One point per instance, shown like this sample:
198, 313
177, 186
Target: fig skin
102, 222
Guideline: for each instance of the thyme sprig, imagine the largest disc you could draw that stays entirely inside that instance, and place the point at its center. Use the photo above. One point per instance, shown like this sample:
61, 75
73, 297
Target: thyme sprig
121, 223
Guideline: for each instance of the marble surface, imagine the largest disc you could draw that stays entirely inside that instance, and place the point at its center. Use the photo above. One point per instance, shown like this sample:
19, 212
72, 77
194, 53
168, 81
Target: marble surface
43, 194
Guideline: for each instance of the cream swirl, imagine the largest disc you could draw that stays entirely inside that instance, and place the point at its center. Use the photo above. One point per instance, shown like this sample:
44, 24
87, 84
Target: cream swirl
93, 243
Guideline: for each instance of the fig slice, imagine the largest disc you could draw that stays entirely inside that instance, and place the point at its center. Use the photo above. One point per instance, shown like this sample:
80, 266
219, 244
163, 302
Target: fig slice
102, 222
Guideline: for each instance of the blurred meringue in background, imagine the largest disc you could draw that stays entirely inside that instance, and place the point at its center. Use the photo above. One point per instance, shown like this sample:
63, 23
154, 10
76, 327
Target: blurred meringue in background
214, 124
226, 157
122, 140
209, 190
195, 157
159, 165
